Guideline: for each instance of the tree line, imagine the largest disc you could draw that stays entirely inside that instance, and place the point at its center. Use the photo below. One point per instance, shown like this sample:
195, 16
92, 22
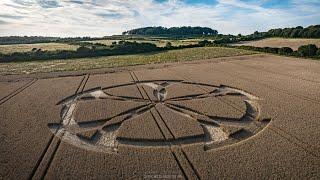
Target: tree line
6, 40
173, 31
89, 50
312, 31
309, 51
306, 51
296, 32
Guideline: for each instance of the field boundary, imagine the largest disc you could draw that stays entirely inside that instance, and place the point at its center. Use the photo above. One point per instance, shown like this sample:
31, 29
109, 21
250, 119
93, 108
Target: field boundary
59, 74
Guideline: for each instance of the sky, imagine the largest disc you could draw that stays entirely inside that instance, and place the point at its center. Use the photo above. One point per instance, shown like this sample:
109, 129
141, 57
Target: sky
96, 18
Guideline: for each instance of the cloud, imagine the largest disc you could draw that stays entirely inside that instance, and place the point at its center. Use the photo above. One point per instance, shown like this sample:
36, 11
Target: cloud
5, 16
110, 14
77, 2
3, 22
107, 17
48, 3
24, 2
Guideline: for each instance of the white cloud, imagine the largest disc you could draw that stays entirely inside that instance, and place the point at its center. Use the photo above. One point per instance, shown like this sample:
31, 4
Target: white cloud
107, 17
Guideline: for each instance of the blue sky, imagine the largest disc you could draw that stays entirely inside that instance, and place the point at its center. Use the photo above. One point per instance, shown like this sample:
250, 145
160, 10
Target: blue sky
107, 17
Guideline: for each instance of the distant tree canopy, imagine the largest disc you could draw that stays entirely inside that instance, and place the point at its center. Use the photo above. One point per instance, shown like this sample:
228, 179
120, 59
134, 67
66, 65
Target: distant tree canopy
40, 39
296, 32
173, 31
25, 39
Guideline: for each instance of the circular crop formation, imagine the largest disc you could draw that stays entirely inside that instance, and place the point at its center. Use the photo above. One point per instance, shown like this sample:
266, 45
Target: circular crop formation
103, 135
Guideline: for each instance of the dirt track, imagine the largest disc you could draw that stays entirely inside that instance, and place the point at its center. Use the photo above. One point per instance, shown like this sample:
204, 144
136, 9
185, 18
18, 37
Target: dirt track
172, 122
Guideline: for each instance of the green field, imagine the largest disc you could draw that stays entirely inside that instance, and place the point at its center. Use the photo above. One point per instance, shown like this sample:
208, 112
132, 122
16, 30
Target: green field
118, 61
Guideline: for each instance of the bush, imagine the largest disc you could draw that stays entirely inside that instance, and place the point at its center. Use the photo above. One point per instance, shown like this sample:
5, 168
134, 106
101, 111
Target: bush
271, 50
318, 52
168, 45
285, 51
100, 44
121, 42
308, 50
224, 40
204, 43
83, 49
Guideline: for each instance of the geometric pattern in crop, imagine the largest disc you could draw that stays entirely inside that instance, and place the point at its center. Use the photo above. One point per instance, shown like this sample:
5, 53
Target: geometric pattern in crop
213, 131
